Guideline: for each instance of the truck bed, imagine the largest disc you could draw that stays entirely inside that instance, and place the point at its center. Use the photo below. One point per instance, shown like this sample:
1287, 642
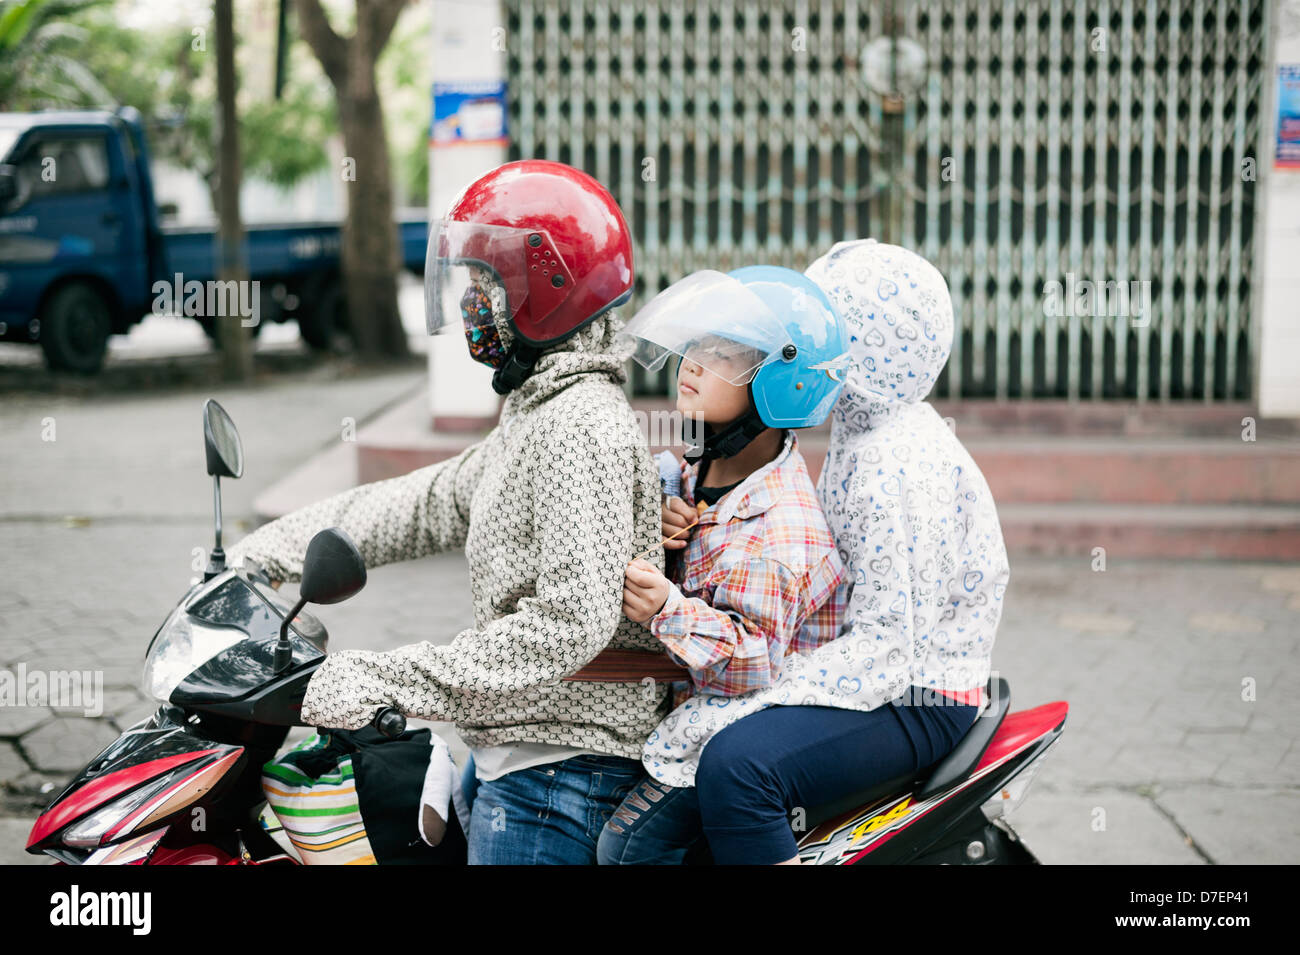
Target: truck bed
280, 250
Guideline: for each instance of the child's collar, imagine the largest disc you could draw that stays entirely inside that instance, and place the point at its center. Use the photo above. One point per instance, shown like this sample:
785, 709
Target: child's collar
756, 493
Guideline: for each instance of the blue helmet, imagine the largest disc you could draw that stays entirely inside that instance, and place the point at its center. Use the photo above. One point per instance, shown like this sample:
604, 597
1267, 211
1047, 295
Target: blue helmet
798, 386
770, 328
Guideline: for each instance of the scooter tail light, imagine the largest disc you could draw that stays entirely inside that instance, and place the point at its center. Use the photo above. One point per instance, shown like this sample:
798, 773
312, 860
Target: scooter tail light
1007, 799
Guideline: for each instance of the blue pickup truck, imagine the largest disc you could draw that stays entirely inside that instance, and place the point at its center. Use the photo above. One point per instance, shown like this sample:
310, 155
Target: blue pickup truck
83, 256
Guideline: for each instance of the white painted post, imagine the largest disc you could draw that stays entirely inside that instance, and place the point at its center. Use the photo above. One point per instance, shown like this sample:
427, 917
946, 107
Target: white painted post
1279, 314
468, 47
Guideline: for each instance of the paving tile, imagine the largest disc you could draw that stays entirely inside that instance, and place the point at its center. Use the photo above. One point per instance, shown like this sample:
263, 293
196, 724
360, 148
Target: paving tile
1095, 622
1060, 828
1147, 763
1225, 623
67, 744
13, 839
1239, 826
12, 764
1285, 579
17, 720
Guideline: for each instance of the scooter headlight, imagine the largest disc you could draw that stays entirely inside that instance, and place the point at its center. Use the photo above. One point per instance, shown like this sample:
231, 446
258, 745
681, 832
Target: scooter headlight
182, 646
157, 801
89, 832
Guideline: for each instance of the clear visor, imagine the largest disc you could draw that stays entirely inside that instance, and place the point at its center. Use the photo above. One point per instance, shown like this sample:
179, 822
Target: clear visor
711, 319
472, 274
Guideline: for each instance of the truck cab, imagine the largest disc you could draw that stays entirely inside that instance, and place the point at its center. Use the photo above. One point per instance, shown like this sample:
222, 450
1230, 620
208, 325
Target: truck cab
82, 254
79, 241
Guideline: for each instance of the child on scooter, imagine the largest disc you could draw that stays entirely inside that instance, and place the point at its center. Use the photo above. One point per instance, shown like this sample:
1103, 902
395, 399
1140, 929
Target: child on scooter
926, 572
758, 577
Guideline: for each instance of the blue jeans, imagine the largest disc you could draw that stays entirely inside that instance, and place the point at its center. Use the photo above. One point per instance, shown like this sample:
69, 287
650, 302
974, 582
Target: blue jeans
547, 815
657, 824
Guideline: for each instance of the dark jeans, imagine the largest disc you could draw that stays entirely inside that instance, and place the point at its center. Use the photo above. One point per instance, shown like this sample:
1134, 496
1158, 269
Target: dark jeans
754, 772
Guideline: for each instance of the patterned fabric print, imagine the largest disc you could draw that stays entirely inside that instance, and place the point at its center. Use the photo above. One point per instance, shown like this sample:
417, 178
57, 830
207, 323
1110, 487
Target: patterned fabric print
549, 507
485, 345
914, 522
764, 581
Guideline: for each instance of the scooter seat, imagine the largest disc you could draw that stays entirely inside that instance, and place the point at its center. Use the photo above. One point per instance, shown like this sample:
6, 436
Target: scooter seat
944, 774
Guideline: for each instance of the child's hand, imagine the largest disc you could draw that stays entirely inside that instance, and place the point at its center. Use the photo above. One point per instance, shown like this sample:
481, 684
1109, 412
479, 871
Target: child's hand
644, 591
677, 515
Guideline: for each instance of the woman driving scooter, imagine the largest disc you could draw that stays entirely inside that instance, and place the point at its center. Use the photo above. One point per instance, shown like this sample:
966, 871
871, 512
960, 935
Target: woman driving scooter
549, 507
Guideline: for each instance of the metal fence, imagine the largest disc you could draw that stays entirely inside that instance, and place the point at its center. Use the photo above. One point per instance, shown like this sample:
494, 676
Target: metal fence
1089, 144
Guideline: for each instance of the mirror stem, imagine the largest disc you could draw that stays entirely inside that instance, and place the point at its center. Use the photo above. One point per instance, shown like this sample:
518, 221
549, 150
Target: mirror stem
217, 559
283, 650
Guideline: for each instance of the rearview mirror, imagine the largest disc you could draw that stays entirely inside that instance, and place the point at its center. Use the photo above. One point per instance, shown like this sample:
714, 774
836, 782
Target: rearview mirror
221, 441
333, 569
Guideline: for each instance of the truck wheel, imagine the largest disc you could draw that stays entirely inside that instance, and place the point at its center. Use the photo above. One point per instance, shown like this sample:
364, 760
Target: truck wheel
75, 324
322, 318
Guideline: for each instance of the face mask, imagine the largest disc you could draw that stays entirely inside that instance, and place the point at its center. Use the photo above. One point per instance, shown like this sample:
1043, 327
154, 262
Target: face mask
481, 333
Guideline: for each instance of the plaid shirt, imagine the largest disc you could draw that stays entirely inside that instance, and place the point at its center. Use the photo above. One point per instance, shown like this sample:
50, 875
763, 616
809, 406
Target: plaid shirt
759, 579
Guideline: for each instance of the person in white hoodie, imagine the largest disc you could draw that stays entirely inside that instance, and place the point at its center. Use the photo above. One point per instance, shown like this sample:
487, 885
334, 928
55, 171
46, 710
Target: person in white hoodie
917, 530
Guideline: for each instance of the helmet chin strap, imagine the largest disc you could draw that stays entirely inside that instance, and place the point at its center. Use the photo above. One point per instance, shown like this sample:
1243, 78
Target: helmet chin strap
518, 365
728, 440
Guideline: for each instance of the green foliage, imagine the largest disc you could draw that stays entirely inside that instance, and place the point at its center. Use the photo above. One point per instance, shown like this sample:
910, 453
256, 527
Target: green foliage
73, 55
39, 67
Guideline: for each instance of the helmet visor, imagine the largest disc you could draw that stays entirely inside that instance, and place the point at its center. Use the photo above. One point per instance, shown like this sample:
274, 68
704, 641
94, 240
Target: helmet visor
713, 320
470, 267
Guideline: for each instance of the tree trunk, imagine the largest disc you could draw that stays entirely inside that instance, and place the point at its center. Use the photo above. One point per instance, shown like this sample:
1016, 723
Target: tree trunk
233, 339
370, 256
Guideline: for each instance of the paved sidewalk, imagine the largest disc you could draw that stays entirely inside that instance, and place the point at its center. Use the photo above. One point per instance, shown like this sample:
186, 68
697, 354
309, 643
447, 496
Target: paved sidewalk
1180, 745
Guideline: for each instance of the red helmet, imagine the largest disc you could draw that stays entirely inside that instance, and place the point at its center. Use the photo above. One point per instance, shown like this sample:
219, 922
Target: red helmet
543, 242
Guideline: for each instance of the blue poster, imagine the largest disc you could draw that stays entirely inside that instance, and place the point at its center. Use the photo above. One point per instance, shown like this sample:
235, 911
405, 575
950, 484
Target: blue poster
469, 112
1288, 118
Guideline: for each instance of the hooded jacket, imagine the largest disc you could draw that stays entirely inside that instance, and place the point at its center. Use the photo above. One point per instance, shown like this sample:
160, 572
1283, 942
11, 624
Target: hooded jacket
912, 516
549, 507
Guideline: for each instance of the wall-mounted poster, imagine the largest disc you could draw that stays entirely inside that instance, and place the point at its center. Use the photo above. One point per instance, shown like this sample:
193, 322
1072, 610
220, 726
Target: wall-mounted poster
469, 112
1288, 117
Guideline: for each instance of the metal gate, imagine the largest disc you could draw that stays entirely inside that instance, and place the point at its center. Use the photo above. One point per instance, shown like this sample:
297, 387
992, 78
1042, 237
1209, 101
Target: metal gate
1082, 173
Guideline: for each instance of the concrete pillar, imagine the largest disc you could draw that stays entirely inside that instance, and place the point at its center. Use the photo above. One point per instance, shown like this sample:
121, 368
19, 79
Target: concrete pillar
1278, 331
468, 56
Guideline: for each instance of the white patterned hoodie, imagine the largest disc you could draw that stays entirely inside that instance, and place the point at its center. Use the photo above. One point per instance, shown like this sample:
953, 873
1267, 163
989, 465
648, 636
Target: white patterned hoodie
912, 515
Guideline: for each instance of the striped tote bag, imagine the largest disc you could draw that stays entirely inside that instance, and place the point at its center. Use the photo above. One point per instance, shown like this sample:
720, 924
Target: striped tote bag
313, 791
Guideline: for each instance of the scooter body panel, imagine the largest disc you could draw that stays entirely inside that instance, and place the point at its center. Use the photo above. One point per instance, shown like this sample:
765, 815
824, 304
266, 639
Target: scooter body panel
176, 767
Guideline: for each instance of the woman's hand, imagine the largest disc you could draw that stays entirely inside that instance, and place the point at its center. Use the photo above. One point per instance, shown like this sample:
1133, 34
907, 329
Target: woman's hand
677, 515
644, 591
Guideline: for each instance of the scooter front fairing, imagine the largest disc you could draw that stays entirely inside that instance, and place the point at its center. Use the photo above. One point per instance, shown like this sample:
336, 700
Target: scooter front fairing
155, 773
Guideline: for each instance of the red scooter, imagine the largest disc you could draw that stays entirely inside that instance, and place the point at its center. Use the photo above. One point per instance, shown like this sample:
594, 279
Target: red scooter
230, 666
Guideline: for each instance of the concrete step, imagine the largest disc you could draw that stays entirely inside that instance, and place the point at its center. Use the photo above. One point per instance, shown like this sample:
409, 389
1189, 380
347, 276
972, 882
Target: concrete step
401, 440
1237, 532
973, 419
1139, 470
